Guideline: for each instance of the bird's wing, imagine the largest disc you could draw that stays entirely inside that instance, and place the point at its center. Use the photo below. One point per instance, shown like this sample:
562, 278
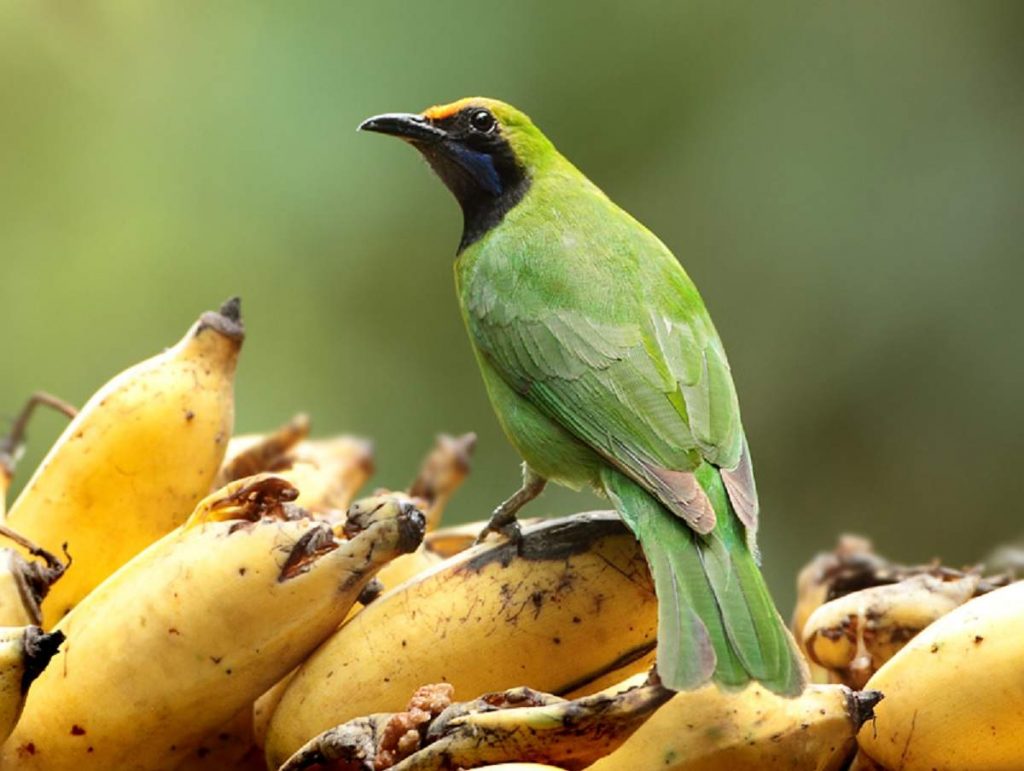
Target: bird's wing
655, 396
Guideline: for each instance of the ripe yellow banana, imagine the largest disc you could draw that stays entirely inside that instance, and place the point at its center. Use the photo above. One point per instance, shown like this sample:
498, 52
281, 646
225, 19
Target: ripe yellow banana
251, 454
199, 624
855, 634
573, 602
24, 582
711, 729
136, 460
25, 651
954, 696
497, 727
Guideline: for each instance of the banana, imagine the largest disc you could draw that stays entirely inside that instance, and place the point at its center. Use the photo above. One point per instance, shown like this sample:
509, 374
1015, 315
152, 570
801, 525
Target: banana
23, 582
954, 696
328, 473
711, 729
520, 767
442, 473
136, 460
616, 677
571, 601
25, 651
497, 727
196, 626
861, 762
819, 580
855, 634
251, 454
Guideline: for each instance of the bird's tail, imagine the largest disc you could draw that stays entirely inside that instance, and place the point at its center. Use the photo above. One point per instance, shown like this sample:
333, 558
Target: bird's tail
716, 619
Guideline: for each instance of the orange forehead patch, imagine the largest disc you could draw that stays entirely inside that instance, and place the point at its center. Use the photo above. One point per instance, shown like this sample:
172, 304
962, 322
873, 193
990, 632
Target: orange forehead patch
442, 111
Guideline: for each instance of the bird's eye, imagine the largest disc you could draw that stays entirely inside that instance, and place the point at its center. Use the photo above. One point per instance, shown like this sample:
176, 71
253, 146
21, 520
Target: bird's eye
482, 121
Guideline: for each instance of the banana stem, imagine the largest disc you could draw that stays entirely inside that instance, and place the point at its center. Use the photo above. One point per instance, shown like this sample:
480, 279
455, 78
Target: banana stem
11, 444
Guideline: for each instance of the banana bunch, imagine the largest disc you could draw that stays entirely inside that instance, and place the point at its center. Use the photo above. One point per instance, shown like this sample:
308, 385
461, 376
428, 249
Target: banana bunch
135, 460
195, 627
433, 734
570, 603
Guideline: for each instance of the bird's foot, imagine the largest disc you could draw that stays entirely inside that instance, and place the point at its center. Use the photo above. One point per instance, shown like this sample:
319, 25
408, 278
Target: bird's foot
506, 526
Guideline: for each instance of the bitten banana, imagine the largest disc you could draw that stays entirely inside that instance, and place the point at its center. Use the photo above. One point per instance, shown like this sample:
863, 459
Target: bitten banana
497, 727
712, 729
855, 634
25, 651
136, 460
954, 696
574, 600
198, 625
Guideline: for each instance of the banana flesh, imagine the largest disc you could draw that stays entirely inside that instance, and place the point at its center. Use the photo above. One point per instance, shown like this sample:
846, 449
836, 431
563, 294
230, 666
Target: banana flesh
954, 696
135, 460
711, 729
199, 624
855, 634
572, 603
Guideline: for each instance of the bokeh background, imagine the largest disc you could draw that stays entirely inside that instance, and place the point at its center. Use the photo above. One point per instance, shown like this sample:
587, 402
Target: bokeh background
843, 181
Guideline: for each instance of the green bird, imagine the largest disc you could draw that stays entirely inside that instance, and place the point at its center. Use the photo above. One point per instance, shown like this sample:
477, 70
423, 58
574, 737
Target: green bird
605, 371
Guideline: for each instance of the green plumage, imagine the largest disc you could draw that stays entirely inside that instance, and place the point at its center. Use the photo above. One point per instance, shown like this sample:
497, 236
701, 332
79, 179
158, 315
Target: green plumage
605, 370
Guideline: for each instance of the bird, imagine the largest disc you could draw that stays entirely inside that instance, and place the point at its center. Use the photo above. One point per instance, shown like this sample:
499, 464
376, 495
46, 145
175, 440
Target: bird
605, 371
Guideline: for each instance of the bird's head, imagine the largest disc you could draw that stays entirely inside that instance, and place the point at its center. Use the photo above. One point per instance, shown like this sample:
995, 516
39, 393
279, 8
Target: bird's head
485, 151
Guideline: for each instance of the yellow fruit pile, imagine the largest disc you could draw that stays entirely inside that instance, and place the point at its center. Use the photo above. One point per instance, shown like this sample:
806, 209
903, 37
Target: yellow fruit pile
226, 603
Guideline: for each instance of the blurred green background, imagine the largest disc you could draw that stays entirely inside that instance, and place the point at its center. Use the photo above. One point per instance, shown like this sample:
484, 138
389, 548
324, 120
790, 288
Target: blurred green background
843, 181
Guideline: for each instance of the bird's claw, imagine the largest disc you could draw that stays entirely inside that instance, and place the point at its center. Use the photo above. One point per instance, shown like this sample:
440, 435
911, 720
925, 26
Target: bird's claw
509, 529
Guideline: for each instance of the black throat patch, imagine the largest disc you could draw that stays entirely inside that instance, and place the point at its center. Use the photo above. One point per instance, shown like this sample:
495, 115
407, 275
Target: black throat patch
482, 172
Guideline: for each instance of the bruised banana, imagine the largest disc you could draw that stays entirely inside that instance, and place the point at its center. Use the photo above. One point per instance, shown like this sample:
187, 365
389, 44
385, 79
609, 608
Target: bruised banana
252, 454
195, 627
442, 473
573, 601
713, 729
495, 728
135, 460
857, 633
24, 653
954, 696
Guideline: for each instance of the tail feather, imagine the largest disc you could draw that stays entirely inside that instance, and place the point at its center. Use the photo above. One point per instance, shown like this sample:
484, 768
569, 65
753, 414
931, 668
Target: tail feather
716, 618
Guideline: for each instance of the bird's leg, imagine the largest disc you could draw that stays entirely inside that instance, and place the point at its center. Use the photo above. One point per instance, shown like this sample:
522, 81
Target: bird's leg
503, 519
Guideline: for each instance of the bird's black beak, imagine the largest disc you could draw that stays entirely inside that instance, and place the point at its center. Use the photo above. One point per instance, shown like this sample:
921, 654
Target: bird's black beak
404, 125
